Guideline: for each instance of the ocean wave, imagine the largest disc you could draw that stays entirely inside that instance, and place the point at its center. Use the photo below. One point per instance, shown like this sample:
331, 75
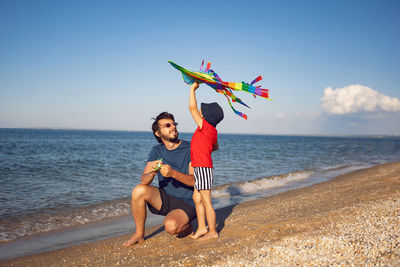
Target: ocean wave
15, 228
260, 184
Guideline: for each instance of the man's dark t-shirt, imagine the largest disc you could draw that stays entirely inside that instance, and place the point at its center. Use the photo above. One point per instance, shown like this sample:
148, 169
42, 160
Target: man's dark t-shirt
179, 160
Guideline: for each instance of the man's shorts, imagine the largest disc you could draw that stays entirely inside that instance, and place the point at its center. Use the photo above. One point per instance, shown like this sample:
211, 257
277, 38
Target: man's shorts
170, 203
203, 178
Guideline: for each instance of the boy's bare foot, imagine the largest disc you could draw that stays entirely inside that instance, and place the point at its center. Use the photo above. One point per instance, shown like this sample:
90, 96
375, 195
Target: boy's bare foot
209, 235
133, 240
199, 233
187, 230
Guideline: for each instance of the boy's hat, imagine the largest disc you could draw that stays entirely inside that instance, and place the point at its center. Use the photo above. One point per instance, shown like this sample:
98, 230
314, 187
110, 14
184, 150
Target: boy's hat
212, 113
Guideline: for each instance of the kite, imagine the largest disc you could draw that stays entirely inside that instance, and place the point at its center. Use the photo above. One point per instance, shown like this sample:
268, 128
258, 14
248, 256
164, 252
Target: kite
209, 77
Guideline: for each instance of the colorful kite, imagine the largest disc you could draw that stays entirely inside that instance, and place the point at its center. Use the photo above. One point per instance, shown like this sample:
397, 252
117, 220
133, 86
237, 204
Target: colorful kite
212, 79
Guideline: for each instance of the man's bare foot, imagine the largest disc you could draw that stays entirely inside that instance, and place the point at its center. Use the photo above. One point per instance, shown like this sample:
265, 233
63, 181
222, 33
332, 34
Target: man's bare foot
209, 235
199, 233
133, 240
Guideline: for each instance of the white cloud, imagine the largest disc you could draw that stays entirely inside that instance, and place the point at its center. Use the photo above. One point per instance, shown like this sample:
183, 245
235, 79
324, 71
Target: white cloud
357, 98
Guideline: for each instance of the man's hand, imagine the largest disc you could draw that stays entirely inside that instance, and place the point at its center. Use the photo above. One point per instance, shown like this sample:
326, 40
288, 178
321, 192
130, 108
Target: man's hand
167, 171
152, 166
151, 169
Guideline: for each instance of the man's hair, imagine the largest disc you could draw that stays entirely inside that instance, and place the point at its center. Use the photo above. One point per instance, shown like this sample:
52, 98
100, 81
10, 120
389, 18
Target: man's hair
155, 127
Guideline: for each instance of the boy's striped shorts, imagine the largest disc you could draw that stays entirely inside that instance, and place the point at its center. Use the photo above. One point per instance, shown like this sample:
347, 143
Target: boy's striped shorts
203, 178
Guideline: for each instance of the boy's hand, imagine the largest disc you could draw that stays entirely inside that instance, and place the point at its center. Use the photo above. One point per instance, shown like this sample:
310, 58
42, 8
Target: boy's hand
194, 86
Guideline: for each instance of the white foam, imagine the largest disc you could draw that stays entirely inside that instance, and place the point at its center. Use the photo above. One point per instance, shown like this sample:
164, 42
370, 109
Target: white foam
260, 184
40, 223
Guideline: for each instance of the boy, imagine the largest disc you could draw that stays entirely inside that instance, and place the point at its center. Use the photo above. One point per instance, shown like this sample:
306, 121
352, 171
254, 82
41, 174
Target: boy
204, 142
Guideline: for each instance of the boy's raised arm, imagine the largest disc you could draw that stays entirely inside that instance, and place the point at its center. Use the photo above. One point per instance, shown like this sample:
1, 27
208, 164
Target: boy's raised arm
193, 105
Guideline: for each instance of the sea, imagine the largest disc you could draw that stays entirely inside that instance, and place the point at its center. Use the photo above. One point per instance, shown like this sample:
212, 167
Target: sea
60, 181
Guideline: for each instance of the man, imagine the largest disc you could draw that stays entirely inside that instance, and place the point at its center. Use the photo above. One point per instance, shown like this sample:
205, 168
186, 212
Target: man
170, 159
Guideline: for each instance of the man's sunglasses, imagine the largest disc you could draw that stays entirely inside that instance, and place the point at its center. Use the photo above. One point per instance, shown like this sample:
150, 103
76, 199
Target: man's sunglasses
170, 124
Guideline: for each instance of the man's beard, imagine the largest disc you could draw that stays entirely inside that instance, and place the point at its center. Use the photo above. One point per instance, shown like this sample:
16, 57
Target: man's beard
174, 139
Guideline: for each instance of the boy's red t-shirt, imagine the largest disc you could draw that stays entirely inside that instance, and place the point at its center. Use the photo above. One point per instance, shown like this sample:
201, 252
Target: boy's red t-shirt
202, 144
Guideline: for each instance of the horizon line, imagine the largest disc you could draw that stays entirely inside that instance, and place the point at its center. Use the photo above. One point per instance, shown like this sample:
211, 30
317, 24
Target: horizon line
226, 133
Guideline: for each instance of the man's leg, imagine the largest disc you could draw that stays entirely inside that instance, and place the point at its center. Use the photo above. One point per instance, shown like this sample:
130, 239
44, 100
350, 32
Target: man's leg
140, 195
177, 222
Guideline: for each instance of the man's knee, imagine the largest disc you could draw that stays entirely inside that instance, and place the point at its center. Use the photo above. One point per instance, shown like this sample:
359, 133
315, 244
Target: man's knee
171, 226
140, 191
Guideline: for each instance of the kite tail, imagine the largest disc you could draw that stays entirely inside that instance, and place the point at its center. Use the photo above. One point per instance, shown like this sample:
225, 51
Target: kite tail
256, 80
235, 98
216, 76
228, 93
244, 116
201, 67
208, 67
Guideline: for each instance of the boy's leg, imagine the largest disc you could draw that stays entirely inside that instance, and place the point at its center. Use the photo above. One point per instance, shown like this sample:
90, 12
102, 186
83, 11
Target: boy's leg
201, 216
210, 215
140, 195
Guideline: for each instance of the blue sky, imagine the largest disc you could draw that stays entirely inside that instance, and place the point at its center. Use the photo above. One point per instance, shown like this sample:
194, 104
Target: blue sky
332, 67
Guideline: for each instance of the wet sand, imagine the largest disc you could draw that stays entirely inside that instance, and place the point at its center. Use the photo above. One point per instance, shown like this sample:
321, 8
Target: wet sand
352, 219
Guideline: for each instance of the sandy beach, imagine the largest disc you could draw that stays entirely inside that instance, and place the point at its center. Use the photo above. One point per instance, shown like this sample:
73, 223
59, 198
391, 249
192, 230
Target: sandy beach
352, 219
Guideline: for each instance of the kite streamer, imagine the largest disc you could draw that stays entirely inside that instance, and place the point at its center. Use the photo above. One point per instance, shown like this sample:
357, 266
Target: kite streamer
209, 77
